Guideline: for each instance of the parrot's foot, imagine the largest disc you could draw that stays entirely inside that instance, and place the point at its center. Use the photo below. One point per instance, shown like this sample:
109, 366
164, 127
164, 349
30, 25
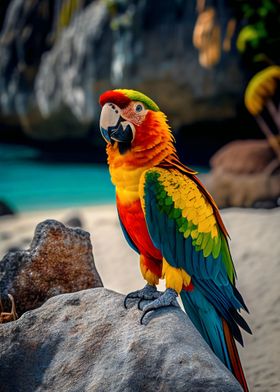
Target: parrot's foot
168, 298
148, 292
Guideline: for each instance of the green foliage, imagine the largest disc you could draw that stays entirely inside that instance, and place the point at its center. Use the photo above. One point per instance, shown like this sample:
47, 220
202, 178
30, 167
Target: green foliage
260, 34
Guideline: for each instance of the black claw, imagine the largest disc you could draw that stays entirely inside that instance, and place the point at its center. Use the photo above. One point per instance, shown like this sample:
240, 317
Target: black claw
125, 301
144, 314
139, 303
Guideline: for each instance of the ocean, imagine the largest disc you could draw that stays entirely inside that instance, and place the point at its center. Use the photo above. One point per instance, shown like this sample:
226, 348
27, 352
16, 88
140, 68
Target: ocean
28, 183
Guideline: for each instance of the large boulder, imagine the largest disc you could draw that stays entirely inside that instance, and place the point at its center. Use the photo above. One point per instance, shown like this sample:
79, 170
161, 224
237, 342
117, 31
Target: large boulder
88, 341
105, 45
245, 173
117, 46
243, 190
59, 260
244, 157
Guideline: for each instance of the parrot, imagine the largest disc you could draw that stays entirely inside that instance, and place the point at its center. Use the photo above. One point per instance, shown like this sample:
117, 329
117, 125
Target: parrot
168, 217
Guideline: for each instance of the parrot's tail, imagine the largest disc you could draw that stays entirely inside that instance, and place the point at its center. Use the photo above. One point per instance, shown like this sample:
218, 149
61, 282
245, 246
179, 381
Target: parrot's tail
234, 357
215, 331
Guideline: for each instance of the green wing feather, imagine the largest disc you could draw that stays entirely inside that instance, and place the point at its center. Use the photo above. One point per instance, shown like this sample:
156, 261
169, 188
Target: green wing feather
183, 226
179, 198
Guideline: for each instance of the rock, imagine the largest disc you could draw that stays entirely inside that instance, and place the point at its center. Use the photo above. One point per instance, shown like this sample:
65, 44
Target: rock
121, 48
108, 45
267, 204
243, 157
87, 341
5, 235
13, 248
74, 62
5, 209
29, 30
23, 39
243, 190
59, 261
74, 221
245, 173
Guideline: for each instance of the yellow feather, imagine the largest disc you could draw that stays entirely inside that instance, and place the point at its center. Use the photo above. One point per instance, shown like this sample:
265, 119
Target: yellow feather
174, 277
147, 274
214, 232
199, 203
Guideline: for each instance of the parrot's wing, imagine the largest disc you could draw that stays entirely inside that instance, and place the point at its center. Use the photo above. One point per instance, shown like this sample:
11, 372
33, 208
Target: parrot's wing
183, 226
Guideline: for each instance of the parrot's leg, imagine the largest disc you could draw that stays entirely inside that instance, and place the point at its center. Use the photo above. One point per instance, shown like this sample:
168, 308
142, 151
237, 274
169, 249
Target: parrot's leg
149, 292
168, 298
175, 278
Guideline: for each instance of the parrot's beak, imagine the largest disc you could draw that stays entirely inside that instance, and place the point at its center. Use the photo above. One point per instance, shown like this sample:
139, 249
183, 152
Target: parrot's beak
114, 127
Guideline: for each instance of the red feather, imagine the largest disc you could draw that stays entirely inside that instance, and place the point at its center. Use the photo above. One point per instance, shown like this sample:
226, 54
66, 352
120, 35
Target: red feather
132, 217
234, 357
115, 97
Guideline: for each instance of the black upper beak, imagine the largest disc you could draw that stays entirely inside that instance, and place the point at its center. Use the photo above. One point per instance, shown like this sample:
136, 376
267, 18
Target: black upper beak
122, 132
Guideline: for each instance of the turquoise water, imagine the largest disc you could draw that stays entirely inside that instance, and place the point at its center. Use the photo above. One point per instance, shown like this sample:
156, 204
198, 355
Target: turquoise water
28, 184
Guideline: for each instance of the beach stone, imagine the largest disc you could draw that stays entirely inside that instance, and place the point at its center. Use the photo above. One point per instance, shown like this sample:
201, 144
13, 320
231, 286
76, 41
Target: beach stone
74, 221
59, 260
243, 190
245, 173
5, 209
243, 156
88, 341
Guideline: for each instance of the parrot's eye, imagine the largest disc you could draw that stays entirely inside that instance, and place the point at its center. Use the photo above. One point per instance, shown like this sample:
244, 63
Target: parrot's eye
138, 108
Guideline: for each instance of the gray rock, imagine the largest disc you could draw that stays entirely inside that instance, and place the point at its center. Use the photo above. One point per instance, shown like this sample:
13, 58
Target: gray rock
58, 261
87, 341
68, 71
145, 45
23, 39
106, 48
29, 30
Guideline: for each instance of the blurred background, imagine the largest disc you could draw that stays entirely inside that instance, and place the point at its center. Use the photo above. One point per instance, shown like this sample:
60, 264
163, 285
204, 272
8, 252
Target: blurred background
211, 65
213, 68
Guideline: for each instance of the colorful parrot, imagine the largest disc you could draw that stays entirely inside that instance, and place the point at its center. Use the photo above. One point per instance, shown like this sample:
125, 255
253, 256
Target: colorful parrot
169, 218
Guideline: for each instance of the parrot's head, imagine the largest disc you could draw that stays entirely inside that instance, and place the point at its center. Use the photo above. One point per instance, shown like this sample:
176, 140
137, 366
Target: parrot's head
131, 122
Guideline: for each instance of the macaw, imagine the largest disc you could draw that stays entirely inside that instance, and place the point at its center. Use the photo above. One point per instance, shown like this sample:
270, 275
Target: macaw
169, 218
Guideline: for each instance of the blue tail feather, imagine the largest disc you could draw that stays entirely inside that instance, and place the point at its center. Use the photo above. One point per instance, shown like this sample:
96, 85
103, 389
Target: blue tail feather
208, 322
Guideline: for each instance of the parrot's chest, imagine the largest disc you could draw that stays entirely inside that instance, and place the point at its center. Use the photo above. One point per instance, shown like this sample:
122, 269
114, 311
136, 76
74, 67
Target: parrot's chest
126, 182
130, 210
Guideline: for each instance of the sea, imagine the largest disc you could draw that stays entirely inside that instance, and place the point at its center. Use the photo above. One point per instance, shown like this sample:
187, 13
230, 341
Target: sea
28, 183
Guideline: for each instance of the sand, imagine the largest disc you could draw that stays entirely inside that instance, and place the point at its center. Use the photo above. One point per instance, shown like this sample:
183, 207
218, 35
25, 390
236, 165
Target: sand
255, 245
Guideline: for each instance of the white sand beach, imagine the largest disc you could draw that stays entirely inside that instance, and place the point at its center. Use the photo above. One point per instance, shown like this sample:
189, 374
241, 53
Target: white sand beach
255, 247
